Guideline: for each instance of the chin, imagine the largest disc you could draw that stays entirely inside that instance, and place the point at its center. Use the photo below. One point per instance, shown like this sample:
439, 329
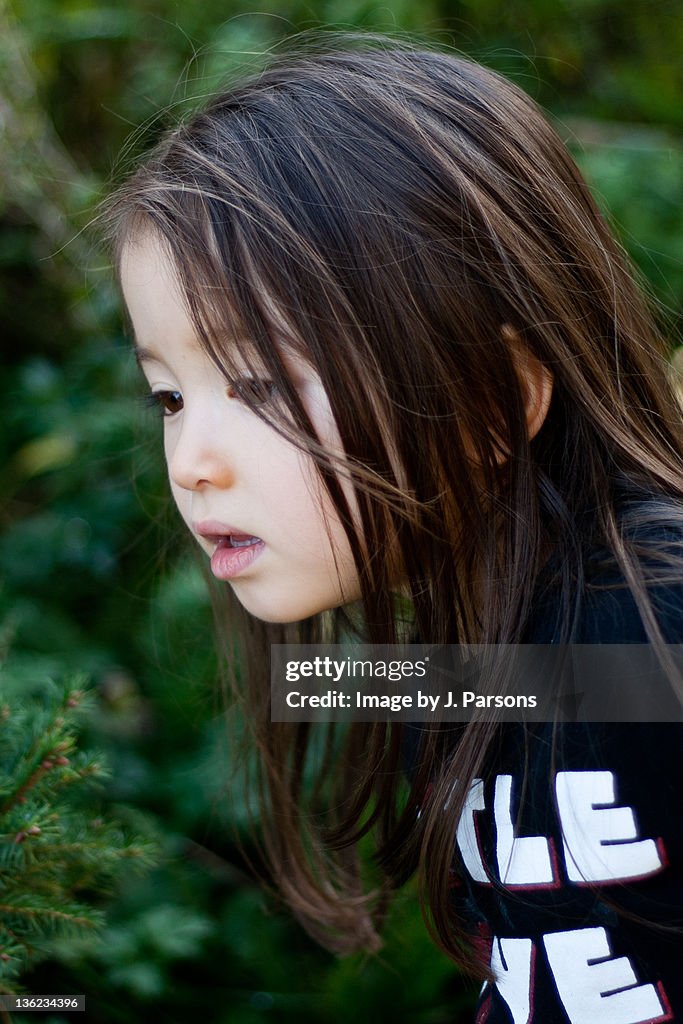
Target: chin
286, 611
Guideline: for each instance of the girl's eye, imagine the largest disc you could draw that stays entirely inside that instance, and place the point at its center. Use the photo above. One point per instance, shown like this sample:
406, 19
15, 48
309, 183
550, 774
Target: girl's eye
252, 390
165, 402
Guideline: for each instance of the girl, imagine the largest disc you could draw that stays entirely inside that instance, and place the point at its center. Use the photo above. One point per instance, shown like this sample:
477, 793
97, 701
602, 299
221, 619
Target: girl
409, 388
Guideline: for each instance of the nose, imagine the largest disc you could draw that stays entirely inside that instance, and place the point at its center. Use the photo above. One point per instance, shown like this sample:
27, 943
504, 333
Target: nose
198, 455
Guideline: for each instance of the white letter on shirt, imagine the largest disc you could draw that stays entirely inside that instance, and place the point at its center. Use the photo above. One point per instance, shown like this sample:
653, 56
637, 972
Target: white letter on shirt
467, 833
600, 839
595, 986
512, 966
522, 860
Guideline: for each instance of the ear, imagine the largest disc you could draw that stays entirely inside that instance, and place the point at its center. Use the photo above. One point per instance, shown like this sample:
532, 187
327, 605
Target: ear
535, 378
536, 382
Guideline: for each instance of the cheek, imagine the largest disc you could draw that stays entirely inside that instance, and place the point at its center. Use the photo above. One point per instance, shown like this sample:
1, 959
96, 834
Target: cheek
181, 497
305, 521
183, 502
169, 445
304, 501
318, 408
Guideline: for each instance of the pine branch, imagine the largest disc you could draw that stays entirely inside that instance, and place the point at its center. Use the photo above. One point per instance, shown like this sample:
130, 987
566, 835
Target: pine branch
56, 852
37, 914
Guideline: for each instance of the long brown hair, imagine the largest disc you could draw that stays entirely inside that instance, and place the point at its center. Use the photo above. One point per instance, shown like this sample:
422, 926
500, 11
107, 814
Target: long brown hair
384, 210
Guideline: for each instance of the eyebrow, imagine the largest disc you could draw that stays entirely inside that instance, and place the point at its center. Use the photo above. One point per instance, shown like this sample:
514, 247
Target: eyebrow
144, 355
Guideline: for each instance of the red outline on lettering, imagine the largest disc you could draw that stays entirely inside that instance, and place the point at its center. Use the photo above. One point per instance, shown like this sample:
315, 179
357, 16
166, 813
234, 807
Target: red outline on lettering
552, 851
663, 855
532, 981
669, 1015
484, 1009
532, 975
482, 860
659, 842
624, 879
482, 942
480, 852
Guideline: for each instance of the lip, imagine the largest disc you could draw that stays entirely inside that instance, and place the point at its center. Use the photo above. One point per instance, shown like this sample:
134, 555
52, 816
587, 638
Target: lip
214, 530
227, 561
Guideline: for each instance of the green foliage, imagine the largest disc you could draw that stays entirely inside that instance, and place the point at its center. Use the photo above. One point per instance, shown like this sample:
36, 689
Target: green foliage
95, 579
638, 176
56, 852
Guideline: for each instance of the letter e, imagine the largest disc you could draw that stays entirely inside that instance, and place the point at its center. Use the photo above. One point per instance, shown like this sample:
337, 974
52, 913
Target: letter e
600, 839
595, 986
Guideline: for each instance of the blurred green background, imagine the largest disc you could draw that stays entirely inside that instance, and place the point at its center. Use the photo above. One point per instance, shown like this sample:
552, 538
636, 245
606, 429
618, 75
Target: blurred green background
94, 575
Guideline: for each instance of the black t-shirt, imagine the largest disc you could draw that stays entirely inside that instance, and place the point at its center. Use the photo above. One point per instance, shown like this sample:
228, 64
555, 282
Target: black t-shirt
574, 836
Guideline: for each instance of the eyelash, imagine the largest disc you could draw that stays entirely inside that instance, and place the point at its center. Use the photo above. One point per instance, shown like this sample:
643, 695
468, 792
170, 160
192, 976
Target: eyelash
157, 400
253, 391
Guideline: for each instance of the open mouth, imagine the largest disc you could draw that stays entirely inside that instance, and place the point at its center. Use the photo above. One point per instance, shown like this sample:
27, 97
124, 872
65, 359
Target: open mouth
234, 554
236, 540
232, 548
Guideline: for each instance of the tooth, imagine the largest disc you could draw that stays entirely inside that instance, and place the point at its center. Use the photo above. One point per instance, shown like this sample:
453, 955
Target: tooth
244, 543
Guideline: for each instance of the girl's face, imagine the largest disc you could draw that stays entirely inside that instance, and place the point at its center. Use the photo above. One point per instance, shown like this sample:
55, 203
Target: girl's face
233, 476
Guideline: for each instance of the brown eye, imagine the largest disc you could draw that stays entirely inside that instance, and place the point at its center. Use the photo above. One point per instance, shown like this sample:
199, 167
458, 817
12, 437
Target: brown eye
252, 390
166, 402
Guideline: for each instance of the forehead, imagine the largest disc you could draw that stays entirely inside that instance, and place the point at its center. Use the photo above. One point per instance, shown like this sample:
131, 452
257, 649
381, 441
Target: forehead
151, 287
157, 303
146, 266
160, 315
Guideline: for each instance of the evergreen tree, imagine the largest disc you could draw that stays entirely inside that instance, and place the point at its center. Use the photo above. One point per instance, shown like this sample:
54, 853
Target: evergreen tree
58, 854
